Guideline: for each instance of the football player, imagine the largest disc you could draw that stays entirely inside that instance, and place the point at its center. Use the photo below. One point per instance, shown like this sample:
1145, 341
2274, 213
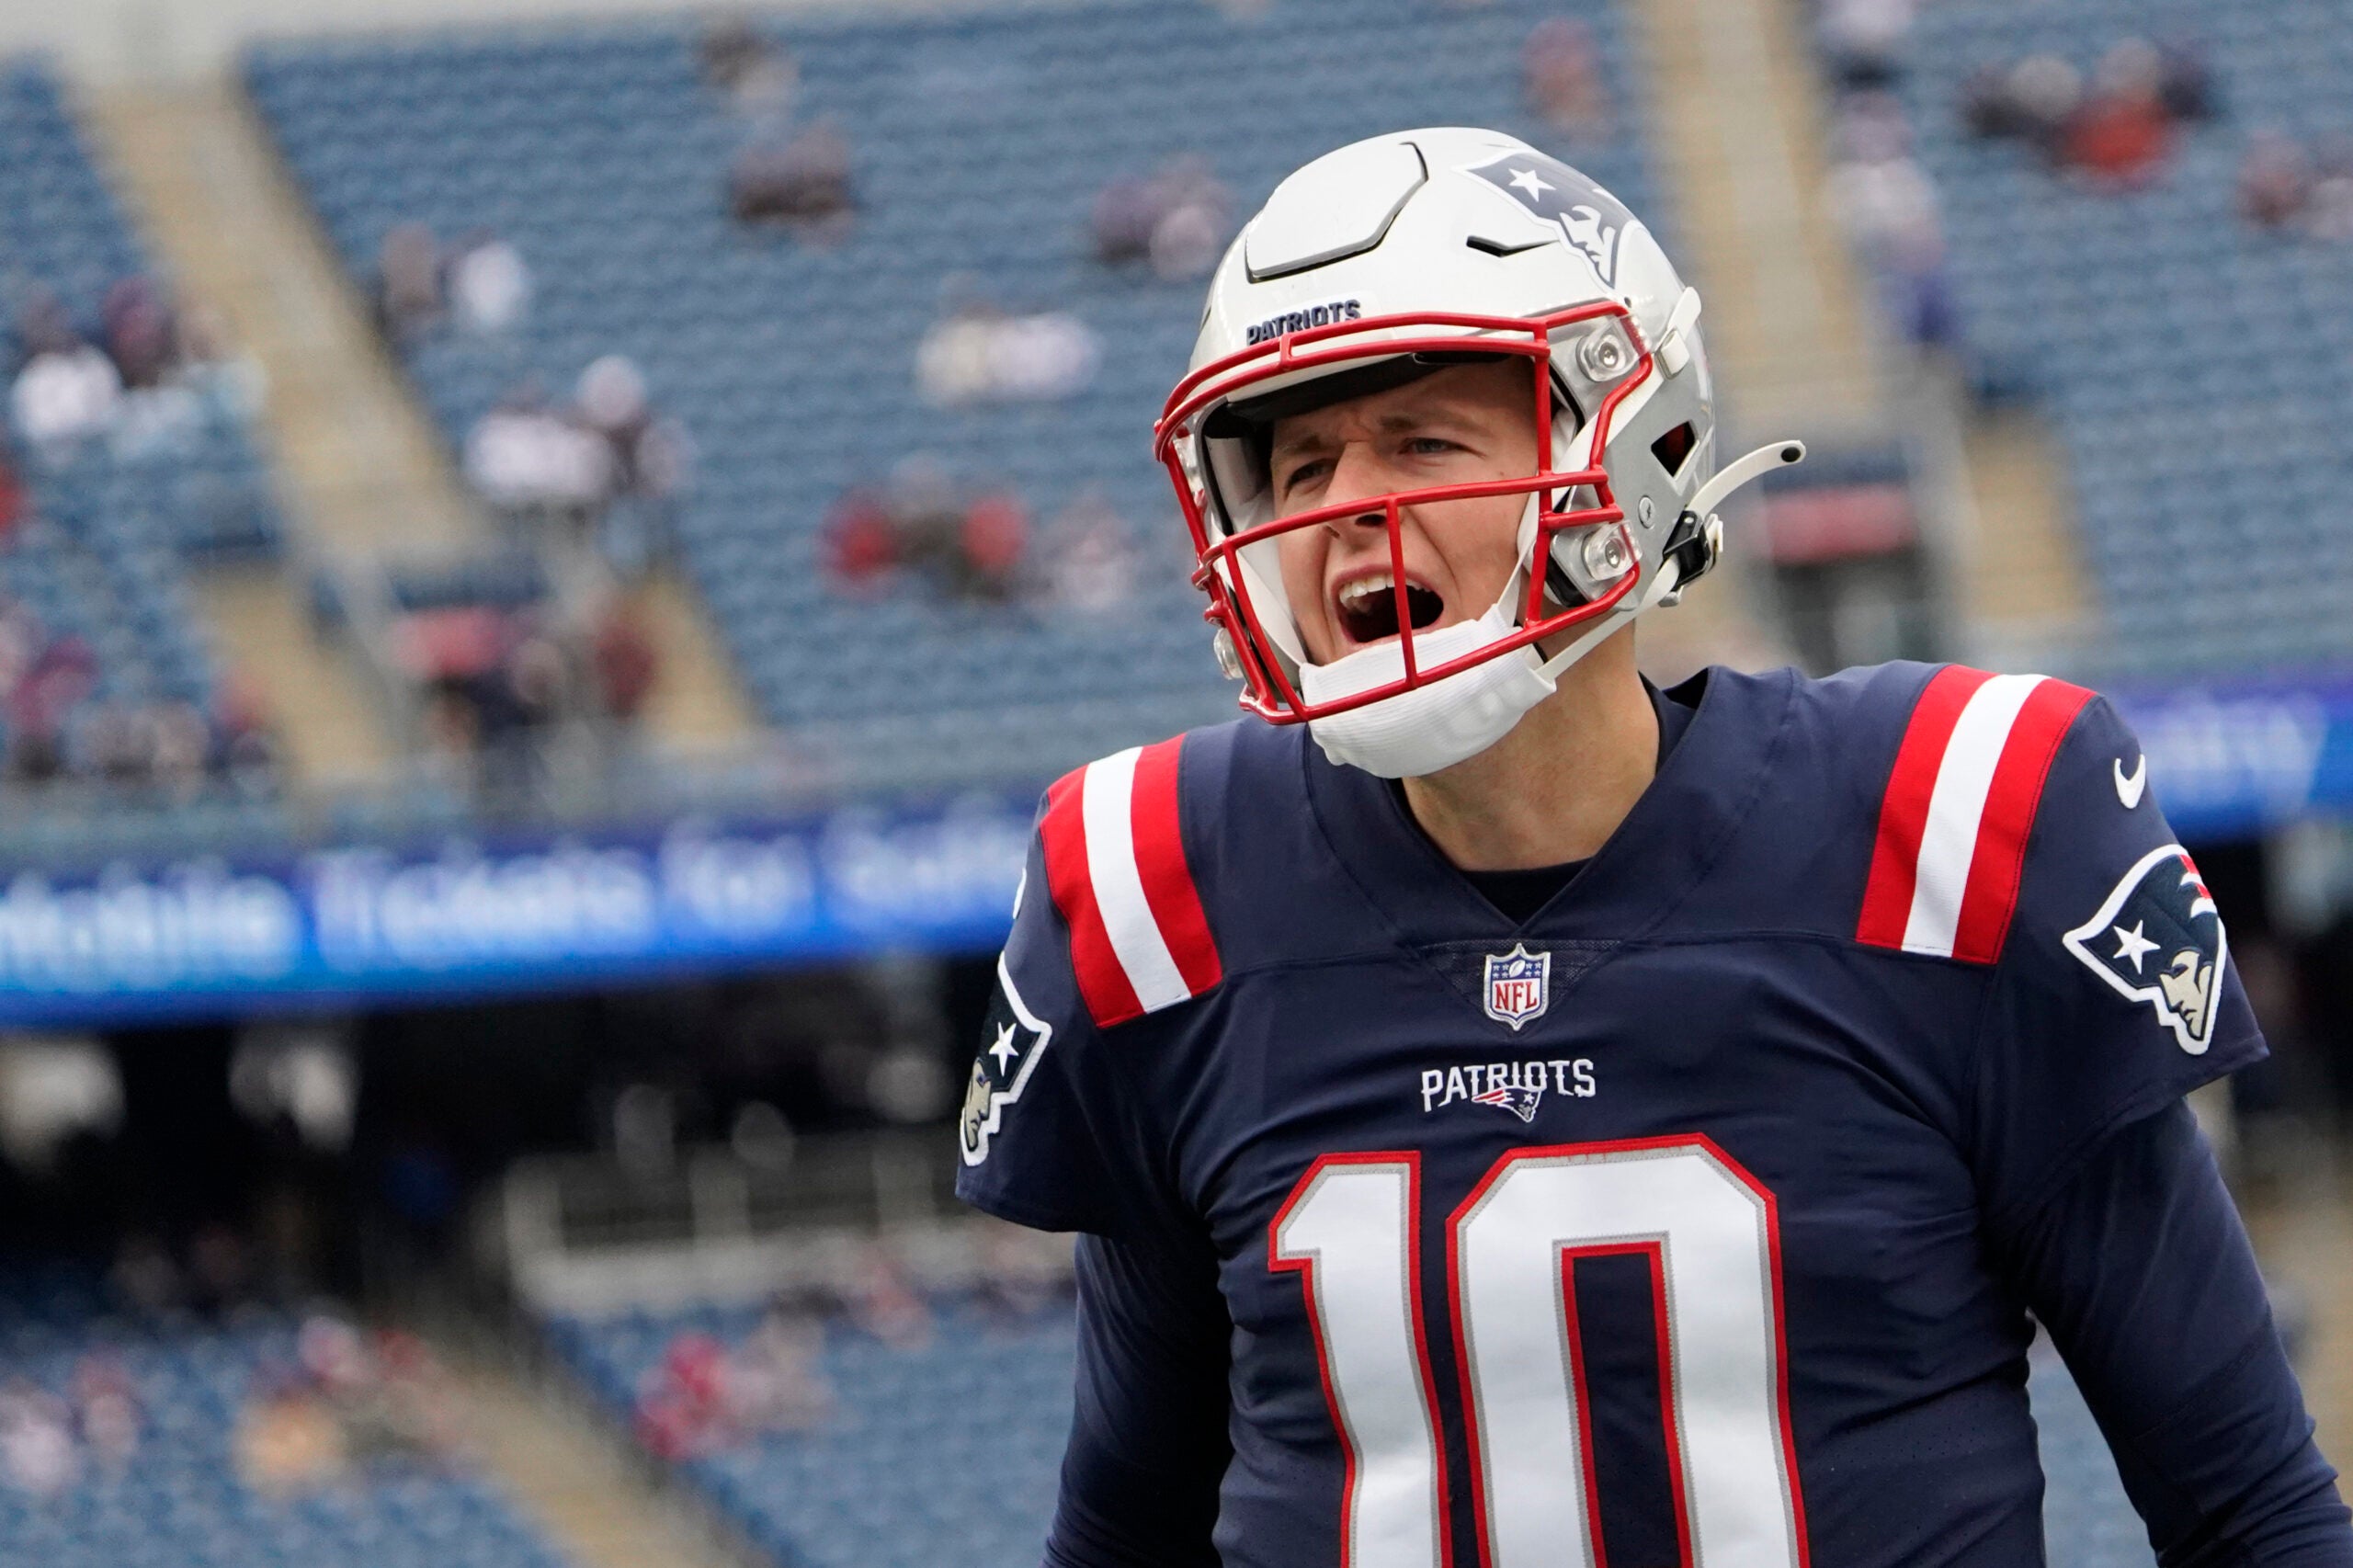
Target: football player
1519, 1116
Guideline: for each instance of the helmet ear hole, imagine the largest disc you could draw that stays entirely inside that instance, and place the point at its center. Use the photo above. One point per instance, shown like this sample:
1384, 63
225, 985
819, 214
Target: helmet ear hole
1674, 449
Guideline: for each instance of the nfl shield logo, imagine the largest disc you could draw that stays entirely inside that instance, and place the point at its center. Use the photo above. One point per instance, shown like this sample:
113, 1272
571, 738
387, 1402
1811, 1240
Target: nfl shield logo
1518, 985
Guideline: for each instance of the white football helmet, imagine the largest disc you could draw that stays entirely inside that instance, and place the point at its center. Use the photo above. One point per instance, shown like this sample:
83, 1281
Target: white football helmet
1385, 260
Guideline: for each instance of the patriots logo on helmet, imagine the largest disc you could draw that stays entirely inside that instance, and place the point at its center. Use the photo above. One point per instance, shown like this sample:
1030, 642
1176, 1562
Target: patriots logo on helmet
2158, 938
1519, 987
1590, 218
1012, 1040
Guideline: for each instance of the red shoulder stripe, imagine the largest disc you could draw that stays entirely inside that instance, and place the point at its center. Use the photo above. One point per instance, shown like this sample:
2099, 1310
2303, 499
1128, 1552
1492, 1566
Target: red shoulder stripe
1960, 808
1168, 881
2010, 802
1115, 865
1903, 812
1108, 997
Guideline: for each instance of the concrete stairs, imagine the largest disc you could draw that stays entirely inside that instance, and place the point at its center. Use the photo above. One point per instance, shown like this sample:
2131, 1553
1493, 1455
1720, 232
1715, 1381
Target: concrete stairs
1740, 129
365, 474
574, 1482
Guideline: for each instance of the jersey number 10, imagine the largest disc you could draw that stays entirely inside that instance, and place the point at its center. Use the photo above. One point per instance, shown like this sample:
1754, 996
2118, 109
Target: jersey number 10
1712, 1235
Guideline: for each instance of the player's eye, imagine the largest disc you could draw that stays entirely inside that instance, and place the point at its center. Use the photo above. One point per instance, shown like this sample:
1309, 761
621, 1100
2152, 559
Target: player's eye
1430, 446
1303, 473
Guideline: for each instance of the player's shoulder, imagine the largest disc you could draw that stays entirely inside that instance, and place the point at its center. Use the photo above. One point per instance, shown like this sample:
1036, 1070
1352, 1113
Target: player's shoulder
1144, 851
1981, 791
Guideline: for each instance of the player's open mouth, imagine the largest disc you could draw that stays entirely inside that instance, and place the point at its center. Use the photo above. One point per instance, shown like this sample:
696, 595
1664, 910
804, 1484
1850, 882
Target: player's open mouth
1366, 606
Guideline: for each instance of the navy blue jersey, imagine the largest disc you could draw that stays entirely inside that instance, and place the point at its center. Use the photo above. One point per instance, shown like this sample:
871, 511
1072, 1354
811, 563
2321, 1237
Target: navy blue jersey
1677, 1222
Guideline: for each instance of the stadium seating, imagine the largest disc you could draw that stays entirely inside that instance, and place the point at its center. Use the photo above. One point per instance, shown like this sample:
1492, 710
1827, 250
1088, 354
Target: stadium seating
101, 548
2195, 368
178, 1503
979, 143
943, 1454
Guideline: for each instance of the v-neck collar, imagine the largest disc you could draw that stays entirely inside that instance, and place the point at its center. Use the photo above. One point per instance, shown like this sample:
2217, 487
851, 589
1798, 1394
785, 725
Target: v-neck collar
1644, 870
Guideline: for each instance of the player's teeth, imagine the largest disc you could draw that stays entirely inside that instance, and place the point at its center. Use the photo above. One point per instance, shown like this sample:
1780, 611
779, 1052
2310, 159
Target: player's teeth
1355, 593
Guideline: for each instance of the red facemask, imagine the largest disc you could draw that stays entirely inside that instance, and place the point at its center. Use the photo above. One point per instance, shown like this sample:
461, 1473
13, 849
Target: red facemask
1586, 493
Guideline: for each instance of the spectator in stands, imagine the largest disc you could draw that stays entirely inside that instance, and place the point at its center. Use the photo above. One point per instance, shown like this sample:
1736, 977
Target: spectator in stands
976, 352
1887, 205
525, 459
649, 459
489, 288
12, 501
774, 1380
862, 548
287, 1438
2034, 100
990, 542
67, 391
2276, 180
883, 1302
139, 332
758, 78
408, 282
1561, 77
1178, 220
105, 1409
622, 662
683, 1409
37, 1448
803, 181
2329, 214
1088, 565
244, 741
229, 381
2186, 85
62, 672
1863, 39
2122, 135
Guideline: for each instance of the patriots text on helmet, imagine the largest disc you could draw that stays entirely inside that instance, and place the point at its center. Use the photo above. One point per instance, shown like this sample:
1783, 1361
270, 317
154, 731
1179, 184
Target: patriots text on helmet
1302, 320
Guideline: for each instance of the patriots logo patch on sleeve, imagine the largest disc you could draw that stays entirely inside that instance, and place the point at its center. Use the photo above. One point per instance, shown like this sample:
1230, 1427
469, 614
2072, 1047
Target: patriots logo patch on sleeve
2158, 938
1012, 1040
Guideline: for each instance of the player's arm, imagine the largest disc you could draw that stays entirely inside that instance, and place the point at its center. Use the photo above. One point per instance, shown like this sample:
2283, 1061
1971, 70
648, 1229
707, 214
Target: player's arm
1052, 1136
2113, 997
2142, 1272
1148, 1446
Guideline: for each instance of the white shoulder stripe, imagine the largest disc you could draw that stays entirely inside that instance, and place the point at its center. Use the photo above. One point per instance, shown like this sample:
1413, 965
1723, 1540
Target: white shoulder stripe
1106, 805
1955, 808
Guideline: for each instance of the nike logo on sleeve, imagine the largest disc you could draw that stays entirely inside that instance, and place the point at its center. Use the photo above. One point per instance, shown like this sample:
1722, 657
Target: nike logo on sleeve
2128, 789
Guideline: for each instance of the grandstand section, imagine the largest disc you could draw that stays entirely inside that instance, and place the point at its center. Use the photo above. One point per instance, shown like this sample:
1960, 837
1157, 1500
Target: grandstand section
945, 1450
791, 361
115, 493
176, 1445
2193, 365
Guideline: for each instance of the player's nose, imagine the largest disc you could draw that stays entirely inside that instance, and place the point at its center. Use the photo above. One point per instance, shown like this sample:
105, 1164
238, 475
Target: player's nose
1356, 475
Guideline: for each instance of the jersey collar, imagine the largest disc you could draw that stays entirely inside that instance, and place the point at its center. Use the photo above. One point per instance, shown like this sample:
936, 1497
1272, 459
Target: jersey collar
1665, 847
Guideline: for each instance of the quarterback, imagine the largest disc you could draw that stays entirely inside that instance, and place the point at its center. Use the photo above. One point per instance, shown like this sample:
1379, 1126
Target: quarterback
1517, 1116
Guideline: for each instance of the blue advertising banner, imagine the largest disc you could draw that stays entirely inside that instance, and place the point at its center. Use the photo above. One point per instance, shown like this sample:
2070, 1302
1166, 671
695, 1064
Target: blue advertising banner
355, 926
368, 925
2232, 761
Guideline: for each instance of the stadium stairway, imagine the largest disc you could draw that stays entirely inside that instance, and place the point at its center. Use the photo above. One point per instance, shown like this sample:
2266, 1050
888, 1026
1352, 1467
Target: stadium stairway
572, 1481
1744, 150
366, 471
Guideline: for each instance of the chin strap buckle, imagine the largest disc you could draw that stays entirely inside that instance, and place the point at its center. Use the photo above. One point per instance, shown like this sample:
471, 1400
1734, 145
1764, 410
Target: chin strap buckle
1696, 542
